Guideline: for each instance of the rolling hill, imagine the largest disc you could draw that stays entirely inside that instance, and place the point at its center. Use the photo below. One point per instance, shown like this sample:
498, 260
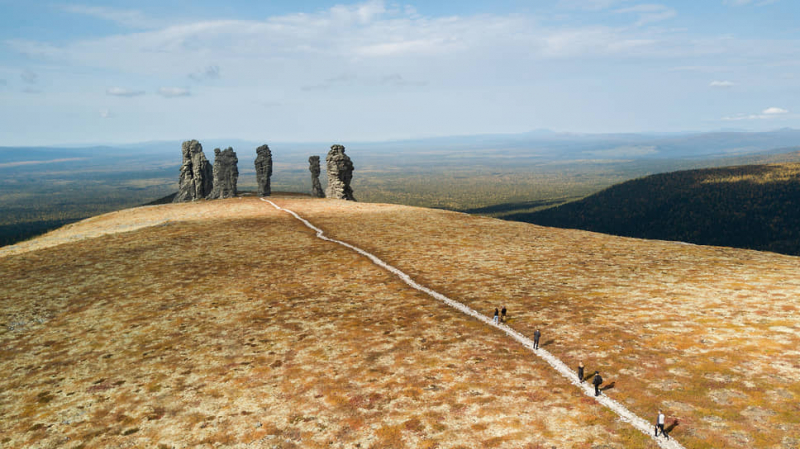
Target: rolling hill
753, 206
228, 323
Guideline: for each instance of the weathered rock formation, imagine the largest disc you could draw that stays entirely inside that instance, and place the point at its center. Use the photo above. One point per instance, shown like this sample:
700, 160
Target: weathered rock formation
263, 170
340, 173
316, 187
226, 174
196, 179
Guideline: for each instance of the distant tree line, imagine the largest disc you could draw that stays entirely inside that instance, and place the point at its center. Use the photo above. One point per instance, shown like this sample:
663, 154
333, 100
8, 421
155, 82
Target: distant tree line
756, 207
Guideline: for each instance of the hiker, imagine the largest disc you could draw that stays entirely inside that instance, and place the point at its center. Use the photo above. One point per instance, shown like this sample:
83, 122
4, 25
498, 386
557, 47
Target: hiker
503, 315
660, 424
580, 371
536, 335
496, 316
597, 382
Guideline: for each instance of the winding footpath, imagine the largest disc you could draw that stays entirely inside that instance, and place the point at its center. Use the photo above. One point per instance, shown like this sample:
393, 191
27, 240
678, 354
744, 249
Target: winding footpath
624, 414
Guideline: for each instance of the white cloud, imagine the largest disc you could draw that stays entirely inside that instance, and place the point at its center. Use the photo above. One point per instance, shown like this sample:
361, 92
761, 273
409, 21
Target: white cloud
766, 114
747, 2
649, 13
396, 79
211, 72
461, 59
414, 47
590, 5
123, 92
105, 113
349, 79
29, 77
345, 37
173, 92
340, 80
125, 17
722, 84
774, 111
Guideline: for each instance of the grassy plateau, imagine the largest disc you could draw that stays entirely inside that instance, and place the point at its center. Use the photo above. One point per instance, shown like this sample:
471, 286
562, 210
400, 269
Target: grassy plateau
227, 323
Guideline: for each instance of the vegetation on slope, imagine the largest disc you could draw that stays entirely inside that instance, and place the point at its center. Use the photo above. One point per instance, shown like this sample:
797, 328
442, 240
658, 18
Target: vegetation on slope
756, 207
708, 334
230, 324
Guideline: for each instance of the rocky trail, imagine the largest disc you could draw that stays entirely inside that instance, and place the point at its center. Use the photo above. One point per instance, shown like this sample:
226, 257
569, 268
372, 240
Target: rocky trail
625, 415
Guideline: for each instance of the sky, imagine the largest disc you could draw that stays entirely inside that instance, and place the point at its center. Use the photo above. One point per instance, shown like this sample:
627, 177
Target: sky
320, 71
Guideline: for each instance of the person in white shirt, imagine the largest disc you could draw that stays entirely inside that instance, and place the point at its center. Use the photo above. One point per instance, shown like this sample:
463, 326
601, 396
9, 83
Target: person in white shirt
660, 424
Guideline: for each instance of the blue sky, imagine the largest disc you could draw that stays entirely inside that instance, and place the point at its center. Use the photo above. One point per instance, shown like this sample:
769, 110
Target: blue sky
128, 71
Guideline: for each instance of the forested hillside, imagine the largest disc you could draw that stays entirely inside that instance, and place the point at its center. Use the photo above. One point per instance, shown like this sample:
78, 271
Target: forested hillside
754, 206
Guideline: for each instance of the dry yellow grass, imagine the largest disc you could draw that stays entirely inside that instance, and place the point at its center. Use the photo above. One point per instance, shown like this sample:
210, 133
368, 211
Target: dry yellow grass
708, 334
230, 324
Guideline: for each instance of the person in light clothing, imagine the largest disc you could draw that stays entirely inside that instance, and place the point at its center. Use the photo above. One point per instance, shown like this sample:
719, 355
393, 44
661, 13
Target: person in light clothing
496, 316
660, 424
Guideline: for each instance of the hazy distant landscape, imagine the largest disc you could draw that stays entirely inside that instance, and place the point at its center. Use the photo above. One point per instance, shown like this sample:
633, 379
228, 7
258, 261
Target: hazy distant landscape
43, 188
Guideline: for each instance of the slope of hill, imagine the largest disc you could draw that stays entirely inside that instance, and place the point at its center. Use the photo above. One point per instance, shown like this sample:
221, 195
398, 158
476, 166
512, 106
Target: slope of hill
229, 323
755, 206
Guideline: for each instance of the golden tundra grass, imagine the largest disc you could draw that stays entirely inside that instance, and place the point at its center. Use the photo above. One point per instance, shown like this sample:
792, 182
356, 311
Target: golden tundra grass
710, 335
228, 324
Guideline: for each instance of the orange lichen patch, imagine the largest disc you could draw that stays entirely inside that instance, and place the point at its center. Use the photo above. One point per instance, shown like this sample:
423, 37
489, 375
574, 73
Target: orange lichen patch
665, 323
245, 329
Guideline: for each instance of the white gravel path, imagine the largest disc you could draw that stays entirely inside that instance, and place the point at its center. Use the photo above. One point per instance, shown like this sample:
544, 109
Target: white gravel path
570, 374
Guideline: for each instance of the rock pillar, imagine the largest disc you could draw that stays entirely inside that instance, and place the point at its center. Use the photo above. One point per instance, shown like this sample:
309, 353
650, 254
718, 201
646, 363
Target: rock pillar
263, 170
226, 174
196, 174
340, 173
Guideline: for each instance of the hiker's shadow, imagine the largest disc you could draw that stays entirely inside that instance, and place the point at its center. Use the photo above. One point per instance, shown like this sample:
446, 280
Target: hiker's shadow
548, 342
671, 427
609, 386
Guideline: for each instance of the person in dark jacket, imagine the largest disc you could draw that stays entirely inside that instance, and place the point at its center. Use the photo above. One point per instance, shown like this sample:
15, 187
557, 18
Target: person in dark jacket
536, 335
580, 371
496, 318
503, 314
597, 382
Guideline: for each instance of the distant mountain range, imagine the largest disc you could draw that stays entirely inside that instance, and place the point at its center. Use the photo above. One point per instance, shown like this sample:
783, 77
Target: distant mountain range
542, 145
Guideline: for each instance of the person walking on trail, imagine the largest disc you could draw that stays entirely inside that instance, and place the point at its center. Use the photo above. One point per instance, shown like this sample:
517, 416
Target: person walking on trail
496, 316
597, 381
660, 424
580, 371
503, 314
536, 335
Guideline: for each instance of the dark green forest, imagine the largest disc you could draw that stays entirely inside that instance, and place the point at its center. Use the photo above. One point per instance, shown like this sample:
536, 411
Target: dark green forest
755, 207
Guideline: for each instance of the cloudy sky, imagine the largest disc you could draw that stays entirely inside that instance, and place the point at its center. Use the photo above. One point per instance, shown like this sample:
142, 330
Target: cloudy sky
128, 71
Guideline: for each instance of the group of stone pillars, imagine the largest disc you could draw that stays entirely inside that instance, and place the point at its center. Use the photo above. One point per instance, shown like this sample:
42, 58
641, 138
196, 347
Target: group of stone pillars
199, 180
